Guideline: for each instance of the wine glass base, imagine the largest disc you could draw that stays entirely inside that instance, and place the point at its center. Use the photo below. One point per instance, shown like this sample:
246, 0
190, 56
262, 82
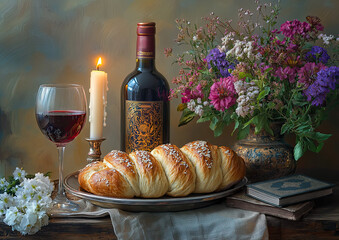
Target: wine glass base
61, 204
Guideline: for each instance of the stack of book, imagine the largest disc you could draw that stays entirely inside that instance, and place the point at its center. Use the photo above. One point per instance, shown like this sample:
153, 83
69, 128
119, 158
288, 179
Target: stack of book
288, 197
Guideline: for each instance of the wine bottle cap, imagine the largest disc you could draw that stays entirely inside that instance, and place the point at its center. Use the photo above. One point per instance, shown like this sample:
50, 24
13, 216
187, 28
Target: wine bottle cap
146, 29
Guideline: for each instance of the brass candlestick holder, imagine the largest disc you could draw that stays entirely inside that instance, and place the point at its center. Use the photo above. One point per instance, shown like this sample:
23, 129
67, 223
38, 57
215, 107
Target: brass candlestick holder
94, 153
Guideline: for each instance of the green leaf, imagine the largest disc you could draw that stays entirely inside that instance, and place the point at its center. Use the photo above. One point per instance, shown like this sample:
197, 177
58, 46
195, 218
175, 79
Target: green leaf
249, 122
186, 116
271, 105
305, 128
214, 123
318, 136
322, 136
263, 94
267, 127
243, 132
259, 122
29, 176
298, 150
219, 129
299, 100
236, 125
205, 118
268, 70
226, 118
285, 128
242, 75
311, 145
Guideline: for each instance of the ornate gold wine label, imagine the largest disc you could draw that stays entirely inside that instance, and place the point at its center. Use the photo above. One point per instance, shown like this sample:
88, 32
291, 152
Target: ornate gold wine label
144, 125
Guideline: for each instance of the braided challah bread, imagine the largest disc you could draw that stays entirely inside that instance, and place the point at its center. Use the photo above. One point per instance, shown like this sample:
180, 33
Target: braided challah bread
198, 167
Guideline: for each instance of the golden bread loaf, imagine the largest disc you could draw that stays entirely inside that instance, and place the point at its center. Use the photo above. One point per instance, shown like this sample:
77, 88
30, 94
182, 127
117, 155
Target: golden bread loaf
197, 167
206, 161
232, 166
99, 179
179, 170
152, 179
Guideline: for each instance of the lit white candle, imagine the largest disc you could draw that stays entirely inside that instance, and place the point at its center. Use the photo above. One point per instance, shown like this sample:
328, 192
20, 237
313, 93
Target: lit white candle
98, 102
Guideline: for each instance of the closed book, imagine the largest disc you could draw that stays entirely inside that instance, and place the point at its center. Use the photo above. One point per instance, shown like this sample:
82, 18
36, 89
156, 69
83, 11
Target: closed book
292, 212
289, 190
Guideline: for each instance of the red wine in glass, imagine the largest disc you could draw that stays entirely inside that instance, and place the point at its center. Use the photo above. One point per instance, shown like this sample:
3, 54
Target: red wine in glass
61, 126
60, 113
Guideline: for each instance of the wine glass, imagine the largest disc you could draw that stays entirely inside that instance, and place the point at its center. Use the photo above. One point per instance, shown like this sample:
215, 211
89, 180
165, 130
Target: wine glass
61, 114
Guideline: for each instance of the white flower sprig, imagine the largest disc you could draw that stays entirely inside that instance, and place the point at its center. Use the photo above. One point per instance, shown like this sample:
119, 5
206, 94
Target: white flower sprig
24, 201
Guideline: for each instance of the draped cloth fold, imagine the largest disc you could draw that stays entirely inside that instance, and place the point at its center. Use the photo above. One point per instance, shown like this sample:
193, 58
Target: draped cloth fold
213, 222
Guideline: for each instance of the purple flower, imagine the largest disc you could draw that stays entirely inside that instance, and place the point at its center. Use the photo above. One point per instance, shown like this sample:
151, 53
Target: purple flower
223, 94
326, 80
308, 73
318, 54
291, 28
217, 59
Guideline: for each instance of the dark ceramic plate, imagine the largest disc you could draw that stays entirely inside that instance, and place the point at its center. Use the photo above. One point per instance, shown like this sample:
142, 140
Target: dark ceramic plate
163, 204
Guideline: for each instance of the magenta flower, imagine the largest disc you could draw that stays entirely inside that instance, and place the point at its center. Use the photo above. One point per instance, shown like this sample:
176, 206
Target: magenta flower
223, 94
189, 94
295, 27
286, 73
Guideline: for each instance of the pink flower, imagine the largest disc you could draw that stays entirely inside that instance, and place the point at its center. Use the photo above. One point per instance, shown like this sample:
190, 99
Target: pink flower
223, 94
189, 94
168, 52
295, 27
308, 73
287, 73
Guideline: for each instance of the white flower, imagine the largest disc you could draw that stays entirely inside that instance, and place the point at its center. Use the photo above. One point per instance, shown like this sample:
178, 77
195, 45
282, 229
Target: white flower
191, 105
247, 94
3, 183
326, 38
26, 211
195, 38
198, 110
12, 216
19, 174
5, 202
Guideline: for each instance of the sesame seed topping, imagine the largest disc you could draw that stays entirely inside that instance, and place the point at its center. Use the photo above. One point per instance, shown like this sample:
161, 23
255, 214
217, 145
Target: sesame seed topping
171, 151
203, 150
121, 157
144, 157
227, 152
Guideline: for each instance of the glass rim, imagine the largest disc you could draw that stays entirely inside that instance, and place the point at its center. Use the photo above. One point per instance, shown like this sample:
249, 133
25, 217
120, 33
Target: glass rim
61, 85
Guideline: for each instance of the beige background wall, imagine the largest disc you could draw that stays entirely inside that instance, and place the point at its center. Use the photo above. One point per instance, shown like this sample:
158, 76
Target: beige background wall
47, 41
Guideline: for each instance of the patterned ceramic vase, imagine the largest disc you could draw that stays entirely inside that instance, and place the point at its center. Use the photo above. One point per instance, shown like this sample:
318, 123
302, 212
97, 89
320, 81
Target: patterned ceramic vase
266, 156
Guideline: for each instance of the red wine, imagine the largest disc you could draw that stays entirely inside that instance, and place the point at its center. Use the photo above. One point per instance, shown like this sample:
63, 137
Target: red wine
61, 126
144, 98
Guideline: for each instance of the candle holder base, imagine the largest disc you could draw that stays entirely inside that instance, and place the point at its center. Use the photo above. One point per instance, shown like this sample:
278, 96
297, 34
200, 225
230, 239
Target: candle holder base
94, 153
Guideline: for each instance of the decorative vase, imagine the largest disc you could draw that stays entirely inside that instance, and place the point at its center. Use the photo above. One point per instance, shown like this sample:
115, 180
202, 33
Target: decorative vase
266, 156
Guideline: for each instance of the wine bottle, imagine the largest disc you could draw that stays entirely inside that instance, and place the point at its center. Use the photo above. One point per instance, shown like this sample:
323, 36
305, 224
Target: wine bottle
144, 98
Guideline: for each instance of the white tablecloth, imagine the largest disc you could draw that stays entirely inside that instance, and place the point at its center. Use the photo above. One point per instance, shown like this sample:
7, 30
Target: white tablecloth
213, 222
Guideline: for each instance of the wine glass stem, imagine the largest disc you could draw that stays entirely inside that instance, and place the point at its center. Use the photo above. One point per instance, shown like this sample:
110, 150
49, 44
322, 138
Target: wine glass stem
61, 150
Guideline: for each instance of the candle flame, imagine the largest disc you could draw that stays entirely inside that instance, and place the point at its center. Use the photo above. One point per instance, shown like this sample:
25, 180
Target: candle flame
99, 63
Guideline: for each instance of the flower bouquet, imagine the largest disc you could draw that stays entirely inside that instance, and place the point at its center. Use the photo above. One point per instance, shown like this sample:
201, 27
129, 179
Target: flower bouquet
257, 73
25, 200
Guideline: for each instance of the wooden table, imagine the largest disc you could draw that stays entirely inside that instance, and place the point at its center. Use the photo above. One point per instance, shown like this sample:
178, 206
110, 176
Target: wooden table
321, 223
